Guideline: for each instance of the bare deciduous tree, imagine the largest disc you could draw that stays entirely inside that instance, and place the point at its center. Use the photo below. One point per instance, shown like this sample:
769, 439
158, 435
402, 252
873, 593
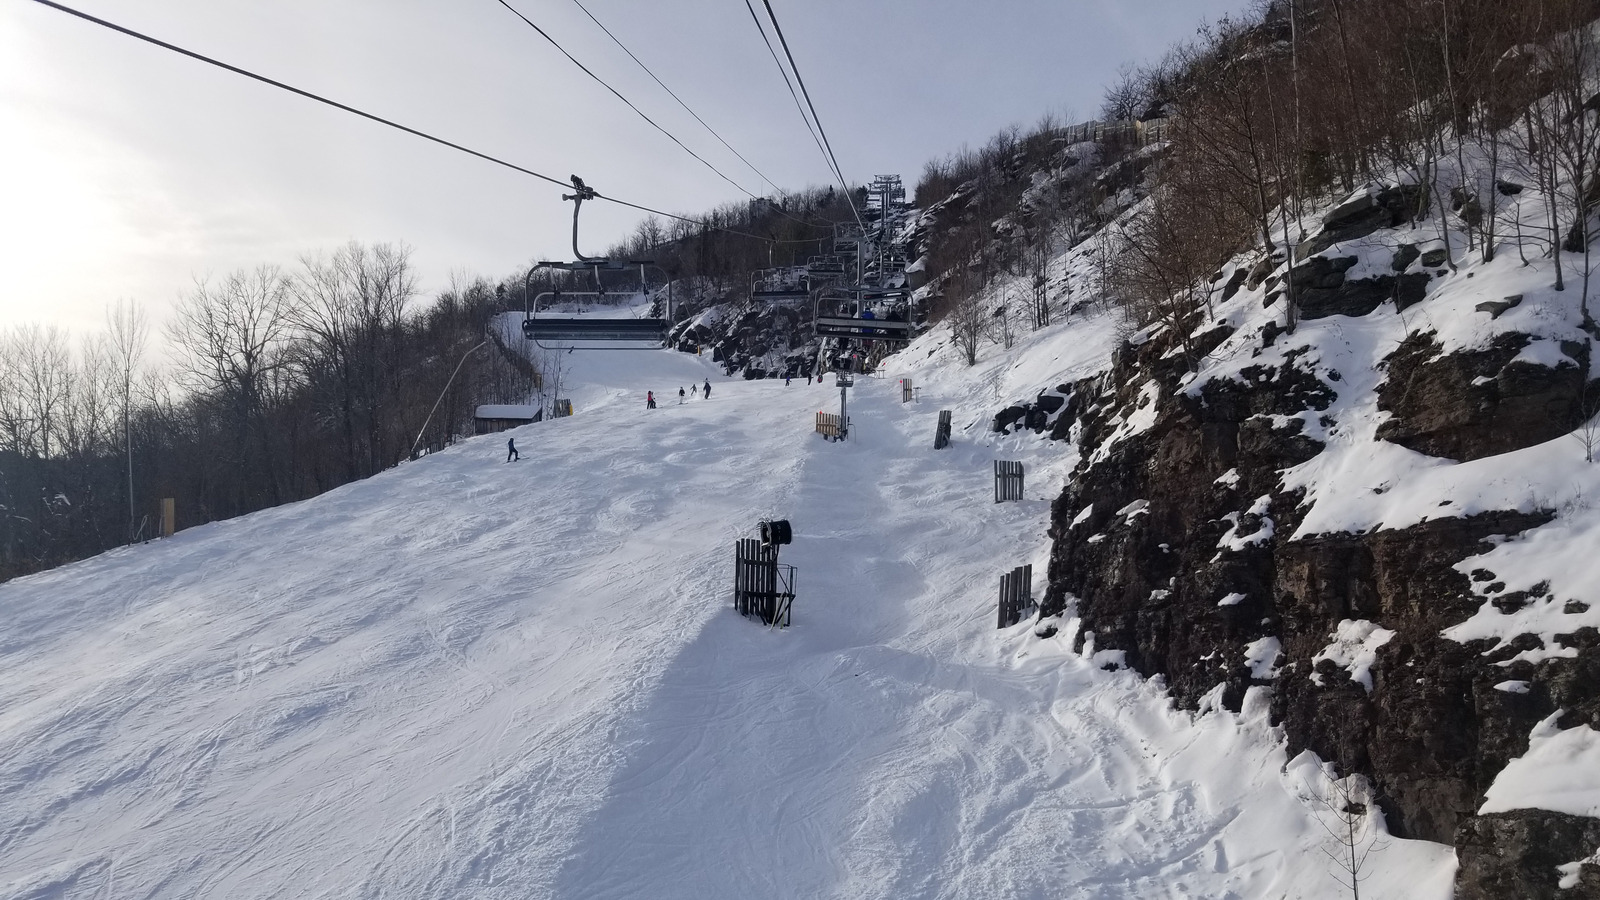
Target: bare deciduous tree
230, 339
129, 331
1345, 811
350, 305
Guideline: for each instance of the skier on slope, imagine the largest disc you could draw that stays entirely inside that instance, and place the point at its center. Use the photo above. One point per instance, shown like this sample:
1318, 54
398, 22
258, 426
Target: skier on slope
649, 399
694, 390
707, 391
511, 450
680, 395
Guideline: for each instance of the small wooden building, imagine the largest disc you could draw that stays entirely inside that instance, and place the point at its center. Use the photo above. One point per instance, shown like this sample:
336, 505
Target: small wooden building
493, 417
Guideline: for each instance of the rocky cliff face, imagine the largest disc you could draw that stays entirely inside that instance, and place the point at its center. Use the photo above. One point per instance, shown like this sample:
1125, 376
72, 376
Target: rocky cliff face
1180, 541
753, 339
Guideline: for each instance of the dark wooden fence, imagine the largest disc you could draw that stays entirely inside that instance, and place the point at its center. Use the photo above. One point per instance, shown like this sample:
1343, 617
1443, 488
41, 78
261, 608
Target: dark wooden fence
762, 587
1016, 595
941, 438
907, 393
830, 425
1007, 480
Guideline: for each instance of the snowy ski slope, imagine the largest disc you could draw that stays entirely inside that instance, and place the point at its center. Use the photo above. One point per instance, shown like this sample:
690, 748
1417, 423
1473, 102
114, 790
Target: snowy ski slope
468, 678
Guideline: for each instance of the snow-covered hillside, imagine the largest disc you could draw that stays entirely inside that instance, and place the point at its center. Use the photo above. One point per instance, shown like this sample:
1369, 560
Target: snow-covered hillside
469, 678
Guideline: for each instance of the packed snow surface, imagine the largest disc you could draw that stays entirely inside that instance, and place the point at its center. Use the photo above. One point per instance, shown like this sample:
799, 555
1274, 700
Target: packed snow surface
466, 678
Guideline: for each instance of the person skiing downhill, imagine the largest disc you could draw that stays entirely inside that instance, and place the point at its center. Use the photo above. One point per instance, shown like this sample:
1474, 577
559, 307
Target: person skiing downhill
511, 450
707, 391
694, 390
649, 399
680, 395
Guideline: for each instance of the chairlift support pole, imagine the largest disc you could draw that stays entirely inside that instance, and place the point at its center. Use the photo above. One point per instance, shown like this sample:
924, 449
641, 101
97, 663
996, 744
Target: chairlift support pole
845, 380
583, 192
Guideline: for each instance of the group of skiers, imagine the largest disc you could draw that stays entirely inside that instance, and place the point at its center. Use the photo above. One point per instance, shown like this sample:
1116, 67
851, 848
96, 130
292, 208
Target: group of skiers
694, 391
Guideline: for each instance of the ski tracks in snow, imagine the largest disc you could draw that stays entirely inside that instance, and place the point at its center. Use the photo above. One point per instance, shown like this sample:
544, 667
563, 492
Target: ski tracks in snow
467, 679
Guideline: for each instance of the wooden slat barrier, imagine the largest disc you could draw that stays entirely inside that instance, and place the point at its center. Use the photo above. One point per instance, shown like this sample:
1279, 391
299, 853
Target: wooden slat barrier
1016, 595
828, 425
906, 392
1007, 480
941, 438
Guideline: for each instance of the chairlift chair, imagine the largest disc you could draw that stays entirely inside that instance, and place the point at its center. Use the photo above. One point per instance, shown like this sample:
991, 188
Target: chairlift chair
846, 237
847, 317
780, 283
584, 332
553, 332
828, 264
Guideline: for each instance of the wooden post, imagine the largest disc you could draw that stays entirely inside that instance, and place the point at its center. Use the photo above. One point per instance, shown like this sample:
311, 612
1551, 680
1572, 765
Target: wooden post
169, 517
941, 437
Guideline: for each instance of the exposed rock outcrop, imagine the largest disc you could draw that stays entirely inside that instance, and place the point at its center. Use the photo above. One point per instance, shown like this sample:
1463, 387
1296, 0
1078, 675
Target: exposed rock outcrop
1322, 290
1365, 213
1172, 545
1520, 854
1472, 404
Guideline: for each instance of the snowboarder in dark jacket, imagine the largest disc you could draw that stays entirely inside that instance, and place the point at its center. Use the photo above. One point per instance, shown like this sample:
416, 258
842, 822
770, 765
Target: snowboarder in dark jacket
511, 450
649, 399
680, 396
707, 391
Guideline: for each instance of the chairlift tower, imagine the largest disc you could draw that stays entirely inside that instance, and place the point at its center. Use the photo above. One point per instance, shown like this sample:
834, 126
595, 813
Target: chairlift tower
887, 196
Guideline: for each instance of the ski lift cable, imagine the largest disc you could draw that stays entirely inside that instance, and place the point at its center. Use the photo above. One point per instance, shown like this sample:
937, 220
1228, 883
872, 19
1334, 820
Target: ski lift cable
820, 130
291, 89
673, 94
382, 121
789, 83
625, 100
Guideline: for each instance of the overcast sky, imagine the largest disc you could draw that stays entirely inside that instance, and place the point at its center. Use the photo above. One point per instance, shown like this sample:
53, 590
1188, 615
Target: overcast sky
127, 171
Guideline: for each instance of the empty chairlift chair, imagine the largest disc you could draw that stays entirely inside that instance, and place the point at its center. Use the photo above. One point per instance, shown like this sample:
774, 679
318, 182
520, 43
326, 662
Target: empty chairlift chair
589, 332
780, 283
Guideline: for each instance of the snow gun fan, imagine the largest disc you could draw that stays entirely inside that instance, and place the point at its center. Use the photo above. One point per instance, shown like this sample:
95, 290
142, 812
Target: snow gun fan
590, 332
776, 532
